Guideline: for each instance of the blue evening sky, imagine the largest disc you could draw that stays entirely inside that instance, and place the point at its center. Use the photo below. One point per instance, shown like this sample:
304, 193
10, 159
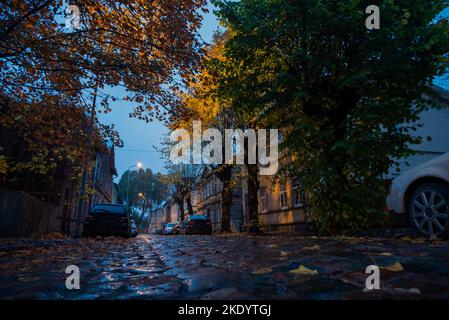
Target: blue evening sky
140, 137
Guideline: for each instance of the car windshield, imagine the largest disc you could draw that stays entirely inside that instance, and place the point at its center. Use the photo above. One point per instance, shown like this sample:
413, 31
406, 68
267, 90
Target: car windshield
105, 208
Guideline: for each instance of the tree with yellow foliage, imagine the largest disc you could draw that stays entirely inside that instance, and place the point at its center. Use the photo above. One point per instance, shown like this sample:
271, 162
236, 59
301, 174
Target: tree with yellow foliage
201, 103
54, 77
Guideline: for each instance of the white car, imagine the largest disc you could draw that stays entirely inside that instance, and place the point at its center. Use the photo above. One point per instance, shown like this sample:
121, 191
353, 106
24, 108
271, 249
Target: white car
169, 228
422, 196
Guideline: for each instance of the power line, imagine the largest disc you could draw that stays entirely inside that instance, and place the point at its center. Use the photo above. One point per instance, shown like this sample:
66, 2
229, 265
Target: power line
136, 150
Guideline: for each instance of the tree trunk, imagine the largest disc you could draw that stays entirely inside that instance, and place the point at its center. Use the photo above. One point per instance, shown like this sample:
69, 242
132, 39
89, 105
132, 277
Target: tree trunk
253, 203
181, 208
150, 216
142, 214
189, 204
224, 173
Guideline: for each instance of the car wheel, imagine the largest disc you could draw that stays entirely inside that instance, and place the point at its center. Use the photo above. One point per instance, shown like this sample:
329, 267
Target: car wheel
429, 209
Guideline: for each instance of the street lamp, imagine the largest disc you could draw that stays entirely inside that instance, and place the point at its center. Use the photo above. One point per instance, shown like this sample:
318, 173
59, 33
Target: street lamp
138, 165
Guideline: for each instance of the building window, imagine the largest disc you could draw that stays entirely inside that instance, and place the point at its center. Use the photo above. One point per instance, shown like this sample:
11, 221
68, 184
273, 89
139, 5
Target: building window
297, 198
263, 200
283, 197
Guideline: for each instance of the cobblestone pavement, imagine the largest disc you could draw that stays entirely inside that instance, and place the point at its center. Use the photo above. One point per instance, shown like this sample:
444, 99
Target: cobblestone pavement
226, 267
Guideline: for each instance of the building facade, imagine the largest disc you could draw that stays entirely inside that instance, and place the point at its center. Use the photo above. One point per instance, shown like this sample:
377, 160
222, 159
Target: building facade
281, 204
209, 201
435, 124
100, 180
156, 219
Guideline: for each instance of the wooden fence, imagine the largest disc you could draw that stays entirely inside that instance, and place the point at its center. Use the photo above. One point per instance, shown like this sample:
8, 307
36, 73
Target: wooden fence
22, 215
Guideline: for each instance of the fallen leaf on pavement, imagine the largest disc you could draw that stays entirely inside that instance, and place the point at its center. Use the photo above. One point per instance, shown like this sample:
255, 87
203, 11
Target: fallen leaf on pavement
273, 246
28, 279
406, 238
284, 253
411, 290
433, 237
282, 258
397, 267
303, 270
386, 254
262, 271
315, 247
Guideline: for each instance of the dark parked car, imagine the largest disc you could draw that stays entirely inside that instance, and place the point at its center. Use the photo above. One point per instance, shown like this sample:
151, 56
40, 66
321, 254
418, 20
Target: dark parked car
179, 228
107, 220
133, 229
198, 224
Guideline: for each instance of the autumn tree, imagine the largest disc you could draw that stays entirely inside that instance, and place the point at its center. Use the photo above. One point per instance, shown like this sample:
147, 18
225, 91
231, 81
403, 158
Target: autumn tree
142, 190
348, 98
200, 102
180, 180
53, 76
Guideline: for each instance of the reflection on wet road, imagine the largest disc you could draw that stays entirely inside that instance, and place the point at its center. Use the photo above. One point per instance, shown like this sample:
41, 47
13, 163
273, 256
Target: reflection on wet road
225, 267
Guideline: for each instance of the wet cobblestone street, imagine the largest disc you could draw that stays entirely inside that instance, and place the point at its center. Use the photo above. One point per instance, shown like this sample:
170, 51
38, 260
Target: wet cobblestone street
225, 267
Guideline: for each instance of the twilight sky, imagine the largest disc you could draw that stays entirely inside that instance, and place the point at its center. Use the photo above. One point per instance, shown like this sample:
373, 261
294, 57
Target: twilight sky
140, 137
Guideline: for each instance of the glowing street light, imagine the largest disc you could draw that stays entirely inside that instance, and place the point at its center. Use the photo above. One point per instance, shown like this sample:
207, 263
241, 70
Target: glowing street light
139, 166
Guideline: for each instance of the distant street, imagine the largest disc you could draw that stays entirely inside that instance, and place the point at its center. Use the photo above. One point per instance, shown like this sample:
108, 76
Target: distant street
225, 267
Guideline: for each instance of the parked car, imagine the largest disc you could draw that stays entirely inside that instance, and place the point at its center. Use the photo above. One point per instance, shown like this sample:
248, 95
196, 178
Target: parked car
160, 230
133, 229
422, 195
168, 229
107, 220
198, 224
179, 228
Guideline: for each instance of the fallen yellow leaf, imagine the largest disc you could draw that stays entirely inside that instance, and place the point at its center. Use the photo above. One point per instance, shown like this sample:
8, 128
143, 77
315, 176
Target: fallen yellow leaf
303, 270
284, 253
315, 247
397, 267
386, 254
272, 246
262, 271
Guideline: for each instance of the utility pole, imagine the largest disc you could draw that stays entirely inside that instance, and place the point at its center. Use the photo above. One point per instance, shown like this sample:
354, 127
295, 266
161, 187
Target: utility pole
80, 210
